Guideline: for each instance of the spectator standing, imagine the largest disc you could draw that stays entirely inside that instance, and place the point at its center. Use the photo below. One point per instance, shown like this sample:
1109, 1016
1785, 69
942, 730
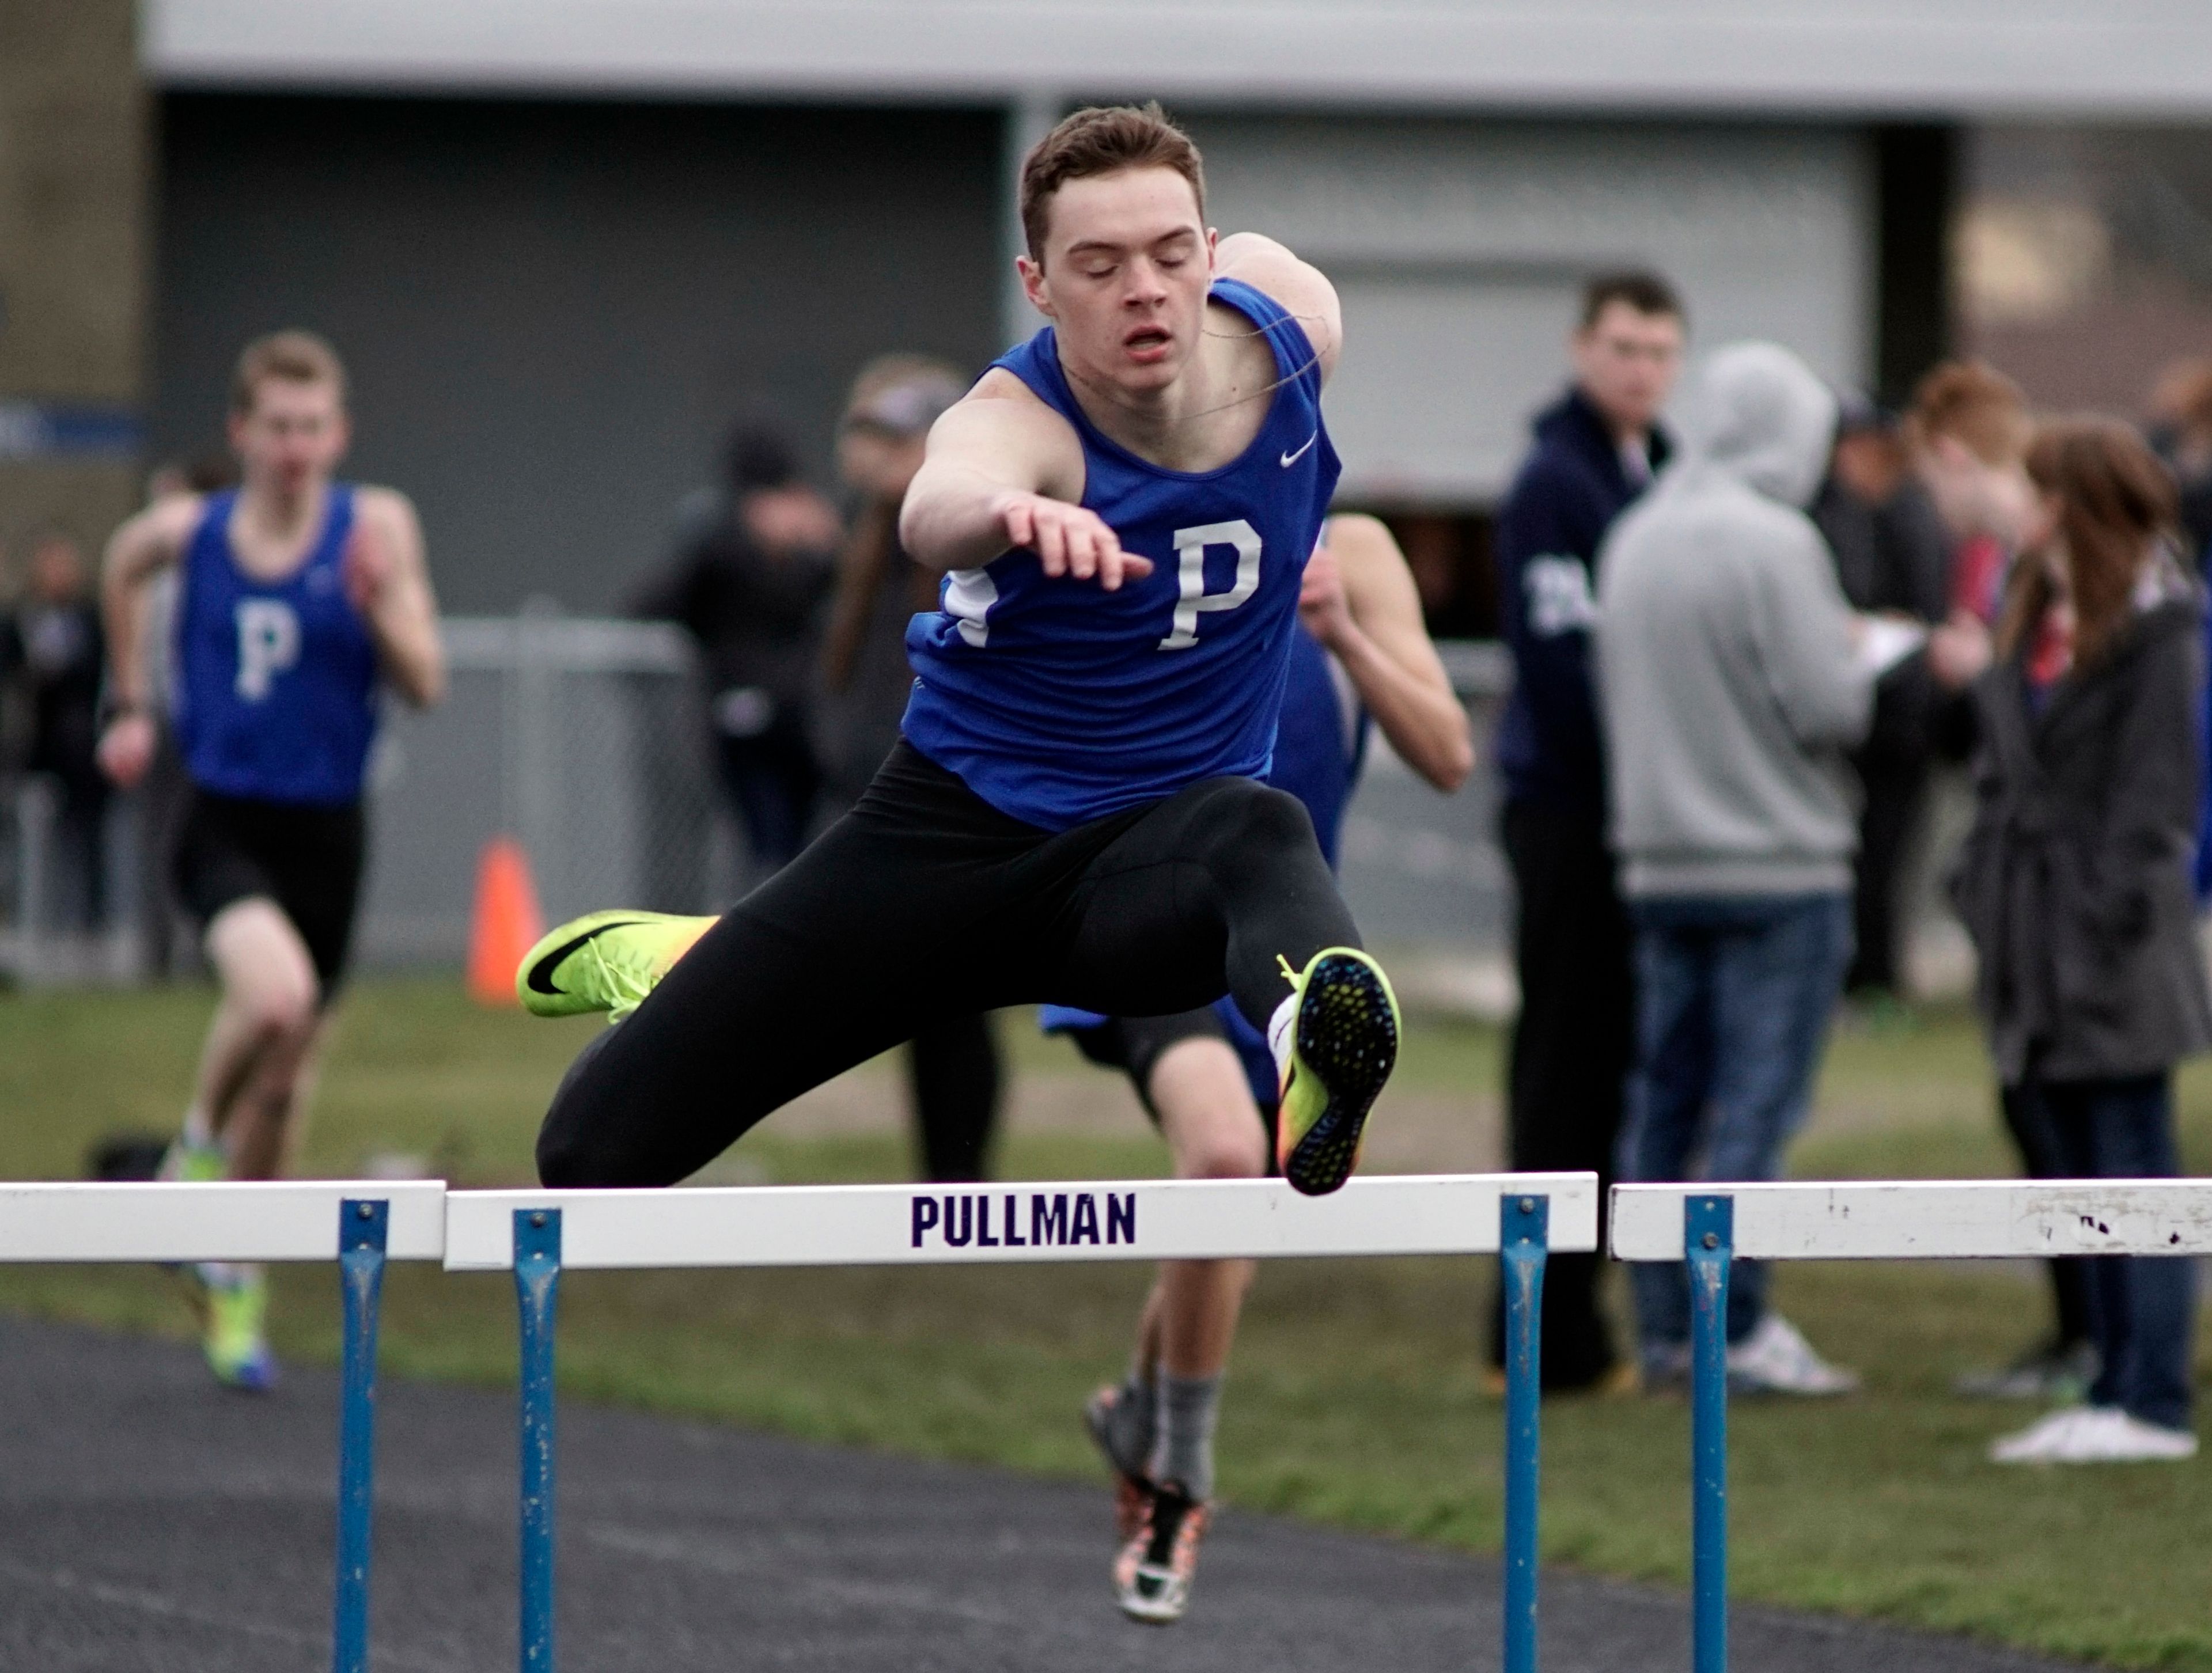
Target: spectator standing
1892, 555
1966, 434
2076, 885
1732, 683
751, 566
52, 647
1596, 450
2181, 436
955, 1076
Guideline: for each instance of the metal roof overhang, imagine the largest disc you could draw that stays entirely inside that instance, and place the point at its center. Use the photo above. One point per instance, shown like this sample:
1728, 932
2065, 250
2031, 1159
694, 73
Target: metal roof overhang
2119, 59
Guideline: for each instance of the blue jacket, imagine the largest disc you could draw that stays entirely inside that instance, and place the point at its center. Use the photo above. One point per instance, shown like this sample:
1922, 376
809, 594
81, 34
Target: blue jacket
1570, 487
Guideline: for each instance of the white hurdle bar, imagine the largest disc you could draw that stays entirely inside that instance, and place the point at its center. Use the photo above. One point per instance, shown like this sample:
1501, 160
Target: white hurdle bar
537, 1234
1926, 1220
358, 1224
1710, 1225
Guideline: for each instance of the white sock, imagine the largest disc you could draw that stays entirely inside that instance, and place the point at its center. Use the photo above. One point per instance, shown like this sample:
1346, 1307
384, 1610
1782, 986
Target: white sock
1279, 1037
199, 1131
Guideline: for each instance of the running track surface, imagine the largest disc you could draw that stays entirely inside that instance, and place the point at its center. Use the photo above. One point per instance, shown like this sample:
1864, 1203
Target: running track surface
149, 1522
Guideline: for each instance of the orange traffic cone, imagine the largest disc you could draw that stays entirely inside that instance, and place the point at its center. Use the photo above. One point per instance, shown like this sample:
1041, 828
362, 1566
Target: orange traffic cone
507, 923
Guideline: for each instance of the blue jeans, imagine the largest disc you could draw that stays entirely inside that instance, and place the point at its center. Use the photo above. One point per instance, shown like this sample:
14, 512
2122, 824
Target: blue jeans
1733, 996
2143, 1310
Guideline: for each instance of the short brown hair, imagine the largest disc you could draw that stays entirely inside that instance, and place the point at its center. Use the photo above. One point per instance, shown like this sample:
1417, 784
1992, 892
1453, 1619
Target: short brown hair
1637, 288
294, 357
1104, 139
1974, 403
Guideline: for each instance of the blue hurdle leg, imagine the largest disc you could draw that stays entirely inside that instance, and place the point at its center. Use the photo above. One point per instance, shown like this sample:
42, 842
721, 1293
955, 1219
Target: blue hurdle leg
1524, 1223
1709, 1240
361, 1227
537, 1282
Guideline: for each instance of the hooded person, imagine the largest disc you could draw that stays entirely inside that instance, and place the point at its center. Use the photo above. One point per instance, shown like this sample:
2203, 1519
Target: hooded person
1732, 677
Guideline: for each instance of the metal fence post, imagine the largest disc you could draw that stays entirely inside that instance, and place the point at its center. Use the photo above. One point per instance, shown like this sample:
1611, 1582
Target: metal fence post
361, 1227
1709, 1245
1524, 1225
537, 1282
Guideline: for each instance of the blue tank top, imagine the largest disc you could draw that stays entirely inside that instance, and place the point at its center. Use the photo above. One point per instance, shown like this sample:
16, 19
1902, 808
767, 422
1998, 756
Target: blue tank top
275, 685
1057, 702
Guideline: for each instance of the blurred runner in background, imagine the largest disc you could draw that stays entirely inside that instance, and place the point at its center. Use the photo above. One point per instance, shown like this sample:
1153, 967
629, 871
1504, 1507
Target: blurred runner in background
298, 596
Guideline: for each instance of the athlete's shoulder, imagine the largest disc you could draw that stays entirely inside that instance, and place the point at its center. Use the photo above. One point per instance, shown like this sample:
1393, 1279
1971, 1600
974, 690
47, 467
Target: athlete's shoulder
1003, 421
161, 533
386, 510
1296, 287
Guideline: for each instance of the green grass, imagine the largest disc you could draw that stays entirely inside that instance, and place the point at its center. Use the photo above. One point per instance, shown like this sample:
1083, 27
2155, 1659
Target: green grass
1356, 1396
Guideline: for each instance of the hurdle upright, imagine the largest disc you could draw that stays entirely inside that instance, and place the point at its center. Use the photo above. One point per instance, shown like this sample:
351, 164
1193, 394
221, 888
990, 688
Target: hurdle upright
359, 1224
538, 1234
1710, 1227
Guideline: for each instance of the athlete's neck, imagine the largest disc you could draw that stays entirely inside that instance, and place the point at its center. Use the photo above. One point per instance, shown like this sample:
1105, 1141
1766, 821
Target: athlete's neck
271, 529
1203, 417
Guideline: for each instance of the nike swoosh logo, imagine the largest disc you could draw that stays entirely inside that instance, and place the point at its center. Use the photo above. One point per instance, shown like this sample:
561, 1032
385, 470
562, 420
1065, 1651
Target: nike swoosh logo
541, 973
1289, 459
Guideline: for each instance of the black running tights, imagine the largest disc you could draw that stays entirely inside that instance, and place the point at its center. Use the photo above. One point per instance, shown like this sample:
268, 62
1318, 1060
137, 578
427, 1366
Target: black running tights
924, 903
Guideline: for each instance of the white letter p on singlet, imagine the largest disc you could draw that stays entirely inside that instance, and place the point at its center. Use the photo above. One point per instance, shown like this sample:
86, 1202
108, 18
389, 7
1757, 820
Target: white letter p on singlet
268, 643
1190, 546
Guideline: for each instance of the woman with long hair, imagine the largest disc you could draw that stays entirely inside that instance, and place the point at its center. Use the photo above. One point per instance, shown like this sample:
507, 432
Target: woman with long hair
2075, 884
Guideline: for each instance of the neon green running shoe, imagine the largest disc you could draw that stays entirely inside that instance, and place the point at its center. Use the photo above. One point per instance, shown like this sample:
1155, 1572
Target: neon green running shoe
604, 961
188, 1163
1344, 1044
237, 1340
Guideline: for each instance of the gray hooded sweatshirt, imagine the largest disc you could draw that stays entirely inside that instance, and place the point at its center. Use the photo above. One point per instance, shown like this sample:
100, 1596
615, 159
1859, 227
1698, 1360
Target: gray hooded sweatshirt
1729, 680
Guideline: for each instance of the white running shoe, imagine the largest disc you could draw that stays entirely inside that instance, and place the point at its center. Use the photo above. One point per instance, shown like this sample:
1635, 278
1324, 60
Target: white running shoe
1775, 1359
2094, 1434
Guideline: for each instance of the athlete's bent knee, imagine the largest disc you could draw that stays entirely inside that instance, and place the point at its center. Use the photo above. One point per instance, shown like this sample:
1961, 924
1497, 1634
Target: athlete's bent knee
1246, 817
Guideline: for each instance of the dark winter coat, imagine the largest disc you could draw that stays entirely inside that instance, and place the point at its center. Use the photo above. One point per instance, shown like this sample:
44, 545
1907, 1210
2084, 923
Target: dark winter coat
1567, 493
2075, 882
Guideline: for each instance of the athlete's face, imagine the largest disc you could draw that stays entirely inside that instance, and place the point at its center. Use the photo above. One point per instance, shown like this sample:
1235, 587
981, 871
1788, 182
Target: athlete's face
1127, 259
1625, 362
292, 437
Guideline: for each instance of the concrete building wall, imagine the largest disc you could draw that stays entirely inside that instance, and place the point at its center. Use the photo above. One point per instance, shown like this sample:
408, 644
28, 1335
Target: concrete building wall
551, 311
1459, 247
74, 177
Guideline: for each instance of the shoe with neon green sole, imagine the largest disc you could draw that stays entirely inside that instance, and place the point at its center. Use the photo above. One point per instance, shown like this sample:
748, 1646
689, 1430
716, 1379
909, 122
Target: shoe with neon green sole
603, 962
1344, 1044
236, 1339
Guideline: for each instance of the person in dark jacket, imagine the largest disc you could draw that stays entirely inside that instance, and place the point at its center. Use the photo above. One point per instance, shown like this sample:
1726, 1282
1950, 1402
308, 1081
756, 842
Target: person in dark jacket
52, 647
1596, 450
752, 566
2075, 884
1892, 556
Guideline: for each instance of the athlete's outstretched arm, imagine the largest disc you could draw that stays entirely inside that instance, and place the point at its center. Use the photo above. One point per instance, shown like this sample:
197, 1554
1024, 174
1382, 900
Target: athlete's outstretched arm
1004, 470
389, 581
1360, 600
144, 546
1303, 289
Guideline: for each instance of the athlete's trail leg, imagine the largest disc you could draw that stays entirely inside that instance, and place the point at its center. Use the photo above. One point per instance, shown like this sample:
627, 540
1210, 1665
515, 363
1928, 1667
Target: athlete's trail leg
262, 1036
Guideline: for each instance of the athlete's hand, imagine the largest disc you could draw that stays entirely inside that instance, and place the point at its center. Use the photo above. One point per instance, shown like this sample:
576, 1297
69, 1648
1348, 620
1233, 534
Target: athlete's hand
366, 567
1069, 540
126, 749
1323, 605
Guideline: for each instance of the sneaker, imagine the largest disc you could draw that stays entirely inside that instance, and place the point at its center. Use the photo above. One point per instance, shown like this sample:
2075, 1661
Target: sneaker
186, 1162
236, 1340
1153, 1572
603, 962
2048, 1372
1132, 1486
1775, 1359
2094, 1434
1343, 1045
